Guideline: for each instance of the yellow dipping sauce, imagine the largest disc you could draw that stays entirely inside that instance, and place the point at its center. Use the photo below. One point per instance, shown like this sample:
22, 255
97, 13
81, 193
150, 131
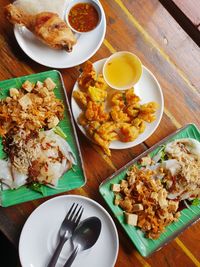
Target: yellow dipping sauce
122, 70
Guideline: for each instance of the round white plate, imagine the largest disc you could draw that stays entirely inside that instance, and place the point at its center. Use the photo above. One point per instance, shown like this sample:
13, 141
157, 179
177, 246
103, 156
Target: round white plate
39, 235
86, 46
148, 89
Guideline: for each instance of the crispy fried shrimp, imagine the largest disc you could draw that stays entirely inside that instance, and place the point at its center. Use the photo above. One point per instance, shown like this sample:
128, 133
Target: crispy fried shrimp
131, 97
147, 112
108, 131
81, 98
97, 94
92, 127
139, 124
104, 135
102, 143
133, 110
149, 107
96, 112
82, 119
147, 117
119, 115
88, 76
100, 82
127, 132
118, 99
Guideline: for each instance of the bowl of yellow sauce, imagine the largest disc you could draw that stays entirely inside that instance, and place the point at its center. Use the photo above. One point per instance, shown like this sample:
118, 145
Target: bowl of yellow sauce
122, 70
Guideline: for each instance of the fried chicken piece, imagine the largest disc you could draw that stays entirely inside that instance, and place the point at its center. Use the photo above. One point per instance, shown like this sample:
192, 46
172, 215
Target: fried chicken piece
47, 26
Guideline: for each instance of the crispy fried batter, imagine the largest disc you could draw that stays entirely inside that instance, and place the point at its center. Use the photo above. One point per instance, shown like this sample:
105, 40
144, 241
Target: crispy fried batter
81, 98
127, 132
96, 112
147, 112
100, 82
97, 94
119, 115
105, 134
88, 76
109, 114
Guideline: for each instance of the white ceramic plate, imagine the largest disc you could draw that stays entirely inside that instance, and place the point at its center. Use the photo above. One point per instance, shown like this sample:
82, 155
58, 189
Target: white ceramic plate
39, 235
148, 89
86, 46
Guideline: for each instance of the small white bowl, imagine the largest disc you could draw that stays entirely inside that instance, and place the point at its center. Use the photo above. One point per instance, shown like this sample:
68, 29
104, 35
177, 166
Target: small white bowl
96, 5
121, 70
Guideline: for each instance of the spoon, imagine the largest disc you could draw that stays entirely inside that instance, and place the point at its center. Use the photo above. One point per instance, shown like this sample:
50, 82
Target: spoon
84, 237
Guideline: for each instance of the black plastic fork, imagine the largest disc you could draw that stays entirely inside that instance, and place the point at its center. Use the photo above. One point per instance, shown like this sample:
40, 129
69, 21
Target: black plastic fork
66, 230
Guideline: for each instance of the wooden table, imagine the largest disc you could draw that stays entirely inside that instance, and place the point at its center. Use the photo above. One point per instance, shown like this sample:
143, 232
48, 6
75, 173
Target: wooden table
147, 29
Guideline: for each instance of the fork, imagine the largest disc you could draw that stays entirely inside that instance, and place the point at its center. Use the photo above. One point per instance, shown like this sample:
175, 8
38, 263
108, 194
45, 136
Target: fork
66, 230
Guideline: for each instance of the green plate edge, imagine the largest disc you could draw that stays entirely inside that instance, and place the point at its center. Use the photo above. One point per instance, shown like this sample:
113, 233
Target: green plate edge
188, 216
70, 180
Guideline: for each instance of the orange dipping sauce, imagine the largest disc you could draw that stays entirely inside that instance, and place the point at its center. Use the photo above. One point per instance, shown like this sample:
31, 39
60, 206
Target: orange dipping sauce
83, 17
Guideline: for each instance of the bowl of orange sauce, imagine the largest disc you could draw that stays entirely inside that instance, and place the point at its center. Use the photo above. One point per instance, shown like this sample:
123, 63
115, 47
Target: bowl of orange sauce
122, 70
83, 16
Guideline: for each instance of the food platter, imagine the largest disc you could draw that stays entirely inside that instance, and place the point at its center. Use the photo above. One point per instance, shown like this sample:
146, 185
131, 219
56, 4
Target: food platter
38, 238
189, 215
87, 45
148, 89
71, 179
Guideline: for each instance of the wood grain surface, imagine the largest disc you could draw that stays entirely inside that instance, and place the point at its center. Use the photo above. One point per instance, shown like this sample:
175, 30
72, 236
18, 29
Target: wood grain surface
186, 13
147, 29
190, 9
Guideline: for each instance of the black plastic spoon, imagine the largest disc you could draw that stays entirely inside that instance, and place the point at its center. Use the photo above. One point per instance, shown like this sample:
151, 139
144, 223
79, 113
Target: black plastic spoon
84, 237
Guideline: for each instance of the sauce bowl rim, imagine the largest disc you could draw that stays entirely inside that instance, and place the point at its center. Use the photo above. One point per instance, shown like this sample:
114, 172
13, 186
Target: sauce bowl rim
72, 3
115, 55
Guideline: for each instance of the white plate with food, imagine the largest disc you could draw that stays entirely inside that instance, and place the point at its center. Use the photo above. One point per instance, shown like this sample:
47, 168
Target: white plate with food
39, 235
148, 90
85, 46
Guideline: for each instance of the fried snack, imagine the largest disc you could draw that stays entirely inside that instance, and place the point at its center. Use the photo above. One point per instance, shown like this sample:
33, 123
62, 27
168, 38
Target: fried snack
133, 110
92, 126
88, 77
81, 99
96, 112
147, 112
108, 114
118, 99
105, 134
47, 26
139, 124
127, 132
119, 115
125, 98
32, 107
108, 131
97, 94
100, 82
131, 97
